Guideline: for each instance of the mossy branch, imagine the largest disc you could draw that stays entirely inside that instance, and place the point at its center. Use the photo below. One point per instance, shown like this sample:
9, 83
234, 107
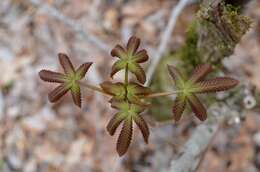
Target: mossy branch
211, 37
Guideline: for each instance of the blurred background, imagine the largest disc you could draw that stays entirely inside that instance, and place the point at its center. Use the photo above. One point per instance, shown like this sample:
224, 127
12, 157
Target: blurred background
37, 136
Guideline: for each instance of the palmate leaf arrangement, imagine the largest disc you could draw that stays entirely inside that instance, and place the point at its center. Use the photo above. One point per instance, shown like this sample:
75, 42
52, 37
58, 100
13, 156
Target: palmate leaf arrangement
130, 98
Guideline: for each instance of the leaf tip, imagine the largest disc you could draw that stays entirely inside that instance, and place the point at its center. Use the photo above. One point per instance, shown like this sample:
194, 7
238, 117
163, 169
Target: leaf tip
62, 56
78, 103
42, 74
118, 51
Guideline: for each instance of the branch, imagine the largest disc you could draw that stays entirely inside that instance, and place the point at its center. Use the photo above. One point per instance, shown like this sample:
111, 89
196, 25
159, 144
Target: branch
176, 10
197, 145
219, 29
194, 148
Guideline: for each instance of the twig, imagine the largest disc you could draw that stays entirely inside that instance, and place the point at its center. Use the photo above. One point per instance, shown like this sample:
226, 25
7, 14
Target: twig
92, 87
71, 23
195, 148
162, 94
176, 10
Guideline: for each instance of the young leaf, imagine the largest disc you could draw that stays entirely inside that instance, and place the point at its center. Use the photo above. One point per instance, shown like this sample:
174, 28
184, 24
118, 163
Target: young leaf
117, 90
119, 52
200, 72
58, 92
117, 66
136, 69
132, 45
195, 85
176, 76
141, 56
125, 137
216, 84
76, 94
179, 106
128, 113
66, 63
140, 122
197, 107
68, 80
115, 122
50, 76
133, 92
130, 58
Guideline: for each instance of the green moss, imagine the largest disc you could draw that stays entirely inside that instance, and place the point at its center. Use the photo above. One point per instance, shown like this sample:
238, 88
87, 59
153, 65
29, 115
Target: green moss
257, 98
236, 24
231, 8
1, 164
161, 107
189, 54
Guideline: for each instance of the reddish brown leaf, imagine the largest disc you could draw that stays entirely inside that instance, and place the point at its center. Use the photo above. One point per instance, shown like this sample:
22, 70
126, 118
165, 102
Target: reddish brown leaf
175, 74
137, 109
69, 80
138, 89
82, 70
117, 66
136, 100
140, 122
196, 84
66, 63
114, 123
76, 95
216, 84
178, 107
57, 93
141, 56
50, 76
197, 107
119, 52
138, 71
115, 104
200, 72
125, 137
132, 45
115, 89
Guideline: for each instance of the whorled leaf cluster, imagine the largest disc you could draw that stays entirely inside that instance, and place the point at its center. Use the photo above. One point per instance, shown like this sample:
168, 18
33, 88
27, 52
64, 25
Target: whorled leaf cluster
129, 98
68, 80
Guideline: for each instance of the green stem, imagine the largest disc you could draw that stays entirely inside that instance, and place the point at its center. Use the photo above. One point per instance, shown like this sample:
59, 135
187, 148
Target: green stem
126, 75
153, 95
126, 81
92, 87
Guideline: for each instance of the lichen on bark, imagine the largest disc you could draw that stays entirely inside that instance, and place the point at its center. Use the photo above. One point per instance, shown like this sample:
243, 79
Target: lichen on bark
220, 28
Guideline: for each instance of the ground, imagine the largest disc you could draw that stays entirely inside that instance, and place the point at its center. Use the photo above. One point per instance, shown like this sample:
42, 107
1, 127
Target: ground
39, 136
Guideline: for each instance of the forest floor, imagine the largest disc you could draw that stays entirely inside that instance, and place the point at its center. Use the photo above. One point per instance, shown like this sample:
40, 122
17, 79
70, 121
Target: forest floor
37, 136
